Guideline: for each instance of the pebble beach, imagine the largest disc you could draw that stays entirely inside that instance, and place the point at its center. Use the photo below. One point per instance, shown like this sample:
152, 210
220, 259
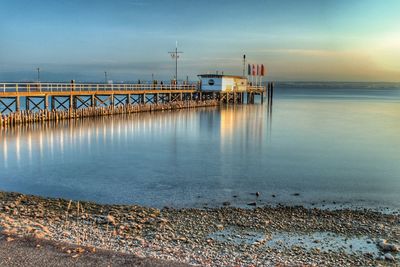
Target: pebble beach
221, 236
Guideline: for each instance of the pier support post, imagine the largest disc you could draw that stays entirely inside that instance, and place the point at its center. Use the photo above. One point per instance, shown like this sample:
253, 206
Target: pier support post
46, 102
27, 100
272, 91
112, 100
92, 101
17, 103
71, 101
128, 99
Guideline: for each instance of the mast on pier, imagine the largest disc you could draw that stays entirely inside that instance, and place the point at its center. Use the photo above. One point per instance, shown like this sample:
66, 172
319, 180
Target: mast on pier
175, 55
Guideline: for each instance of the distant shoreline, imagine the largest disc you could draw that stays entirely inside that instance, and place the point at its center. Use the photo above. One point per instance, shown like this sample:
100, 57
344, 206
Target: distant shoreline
205, 237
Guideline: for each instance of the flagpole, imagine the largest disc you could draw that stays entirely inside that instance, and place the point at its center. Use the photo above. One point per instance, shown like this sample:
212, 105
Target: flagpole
257, 76
257, 73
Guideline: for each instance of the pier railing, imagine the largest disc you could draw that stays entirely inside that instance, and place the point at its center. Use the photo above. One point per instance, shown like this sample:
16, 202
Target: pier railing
255, 88
67, 87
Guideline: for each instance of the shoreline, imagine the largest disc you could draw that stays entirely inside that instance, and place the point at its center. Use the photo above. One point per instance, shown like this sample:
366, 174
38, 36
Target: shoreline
222, 236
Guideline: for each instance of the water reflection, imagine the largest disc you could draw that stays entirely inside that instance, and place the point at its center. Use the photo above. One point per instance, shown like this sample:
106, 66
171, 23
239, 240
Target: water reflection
324, 148
51, 139
246, 125
5, 153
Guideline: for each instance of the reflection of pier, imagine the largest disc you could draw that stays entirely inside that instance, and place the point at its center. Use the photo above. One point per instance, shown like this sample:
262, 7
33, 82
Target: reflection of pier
27, 143
32, 102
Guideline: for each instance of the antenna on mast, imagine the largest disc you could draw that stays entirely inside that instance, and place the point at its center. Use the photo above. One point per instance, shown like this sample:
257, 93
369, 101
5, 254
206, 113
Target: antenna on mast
244, 65
175, 55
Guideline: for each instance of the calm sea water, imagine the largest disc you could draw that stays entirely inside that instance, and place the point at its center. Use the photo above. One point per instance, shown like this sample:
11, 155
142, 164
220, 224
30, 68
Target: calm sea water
333, 144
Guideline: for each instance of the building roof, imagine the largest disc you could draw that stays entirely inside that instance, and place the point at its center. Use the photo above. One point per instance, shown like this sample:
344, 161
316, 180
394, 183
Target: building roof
220, 76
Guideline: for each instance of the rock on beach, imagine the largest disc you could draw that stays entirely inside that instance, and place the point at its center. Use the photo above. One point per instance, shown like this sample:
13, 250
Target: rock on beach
193, 236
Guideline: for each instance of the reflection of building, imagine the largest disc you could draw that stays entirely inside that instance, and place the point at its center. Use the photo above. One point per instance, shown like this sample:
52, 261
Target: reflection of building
217, 82
243, 123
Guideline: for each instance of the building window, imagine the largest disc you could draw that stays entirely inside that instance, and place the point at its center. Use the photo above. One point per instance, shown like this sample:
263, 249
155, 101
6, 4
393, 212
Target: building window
211, 82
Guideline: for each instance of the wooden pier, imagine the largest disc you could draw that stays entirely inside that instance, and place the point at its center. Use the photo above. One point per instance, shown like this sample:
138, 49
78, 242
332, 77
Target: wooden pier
34, 102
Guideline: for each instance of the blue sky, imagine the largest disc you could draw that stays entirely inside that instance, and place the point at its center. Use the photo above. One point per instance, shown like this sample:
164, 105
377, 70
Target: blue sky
326, 40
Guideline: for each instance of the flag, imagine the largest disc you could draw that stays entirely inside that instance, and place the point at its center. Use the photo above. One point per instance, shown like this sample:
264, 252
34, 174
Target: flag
253, 72
262, 70
249, 69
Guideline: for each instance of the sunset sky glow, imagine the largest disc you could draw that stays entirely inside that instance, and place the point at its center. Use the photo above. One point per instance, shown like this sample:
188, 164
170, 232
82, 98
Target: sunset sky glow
327, 40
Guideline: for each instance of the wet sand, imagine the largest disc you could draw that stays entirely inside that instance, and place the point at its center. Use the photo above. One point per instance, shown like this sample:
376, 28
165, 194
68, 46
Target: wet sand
29, 251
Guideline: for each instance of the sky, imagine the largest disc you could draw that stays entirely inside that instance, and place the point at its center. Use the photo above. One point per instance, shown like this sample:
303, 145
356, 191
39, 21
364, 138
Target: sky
297, 40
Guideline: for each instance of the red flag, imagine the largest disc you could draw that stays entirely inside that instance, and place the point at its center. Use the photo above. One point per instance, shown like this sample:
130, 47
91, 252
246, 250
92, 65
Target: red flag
262, 70
248, 69
253, 70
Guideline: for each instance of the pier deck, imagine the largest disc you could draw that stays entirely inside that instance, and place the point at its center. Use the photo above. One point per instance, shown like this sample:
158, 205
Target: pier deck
30, 102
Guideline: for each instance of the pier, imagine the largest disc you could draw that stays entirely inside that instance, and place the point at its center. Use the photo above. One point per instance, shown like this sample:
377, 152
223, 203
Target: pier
34, 102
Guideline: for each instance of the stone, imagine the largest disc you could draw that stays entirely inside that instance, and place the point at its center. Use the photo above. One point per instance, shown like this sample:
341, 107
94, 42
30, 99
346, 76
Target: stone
387, 247
79, 250
39, 235
226, 203
252, 204
111, 219
220, 227
184, 239
163, 220
389, 257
